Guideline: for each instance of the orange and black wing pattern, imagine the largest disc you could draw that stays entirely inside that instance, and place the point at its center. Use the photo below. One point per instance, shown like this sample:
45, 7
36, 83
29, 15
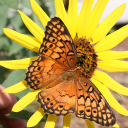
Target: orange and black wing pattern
58, 100
42, 71
58, 45
91, 105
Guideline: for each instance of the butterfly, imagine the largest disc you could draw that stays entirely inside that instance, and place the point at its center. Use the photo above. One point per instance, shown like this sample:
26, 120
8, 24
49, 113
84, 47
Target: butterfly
67, 90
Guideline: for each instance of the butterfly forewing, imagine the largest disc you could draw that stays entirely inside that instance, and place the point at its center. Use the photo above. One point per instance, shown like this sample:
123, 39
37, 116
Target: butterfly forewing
90, 104
58, 45
42, 71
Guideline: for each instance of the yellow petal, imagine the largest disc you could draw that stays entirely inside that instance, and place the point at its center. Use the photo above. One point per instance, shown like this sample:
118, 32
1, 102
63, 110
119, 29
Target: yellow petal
90, 124
62, 14
116, 125
112, 55
73, 16
94, 18
26, 100
112, 40
51, 120
110, 83
22, 39
36, 117
33, 27
109, 97
107, 24
67, 121
113, 65
42, 16
17, 87
84, 15
18, 64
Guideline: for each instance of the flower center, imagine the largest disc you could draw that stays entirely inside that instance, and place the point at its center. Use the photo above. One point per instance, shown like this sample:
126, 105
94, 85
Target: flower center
86, 56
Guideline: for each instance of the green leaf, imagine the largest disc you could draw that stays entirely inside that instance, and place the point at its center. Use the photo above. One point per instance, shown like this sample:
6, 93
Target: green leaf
16, 21
4, 42
51, 7
36, 20
14, 48
26, 3
24, 114
14, 77
3, 17
11, 3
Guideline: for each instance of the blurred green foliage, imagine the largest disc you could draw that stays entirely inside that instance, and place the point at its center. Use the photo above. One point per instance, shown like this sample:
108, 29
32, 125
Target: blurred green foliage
10, 50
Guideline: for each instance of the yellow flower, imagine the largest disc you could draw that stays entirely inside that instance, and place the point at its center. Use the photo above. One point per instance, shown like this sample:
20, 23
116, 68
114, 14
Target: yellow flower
86, 24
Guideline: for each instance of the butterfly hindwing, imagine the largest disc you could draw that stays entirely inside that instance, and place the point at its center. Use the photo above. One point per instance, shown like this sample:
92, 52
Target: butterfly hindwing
41, 72
90, 104
58, 100
58, 45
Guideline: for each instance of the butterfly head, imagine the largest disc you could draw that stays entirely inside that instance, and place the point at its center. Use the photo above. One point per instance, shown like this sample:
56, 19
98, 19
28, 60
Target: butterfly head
86, 56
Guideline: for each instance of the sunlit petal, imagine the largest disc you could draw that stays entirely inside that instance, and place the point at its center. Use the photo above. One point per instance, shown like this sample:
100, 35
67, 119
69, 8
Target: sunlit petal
17, 64
84, 15
90, 124
26, 100
94, 18
33, 27
113, 65
67, 121
62, 14
109, 97
42, 16
107, 24
110, 83
112, 40
22, 85
36, 117
73, 16
22, 39
51, 120
112, 55
116, 125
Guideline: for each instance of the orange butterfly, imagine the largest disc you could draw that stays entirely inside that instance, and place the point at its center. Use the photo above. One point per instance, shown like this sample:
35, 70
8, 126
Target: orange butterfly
68, 90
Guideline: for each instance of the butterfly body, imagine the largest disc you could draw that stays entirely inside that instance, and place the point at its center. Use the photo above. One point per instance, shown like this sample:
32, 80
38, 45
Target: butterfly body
64, 68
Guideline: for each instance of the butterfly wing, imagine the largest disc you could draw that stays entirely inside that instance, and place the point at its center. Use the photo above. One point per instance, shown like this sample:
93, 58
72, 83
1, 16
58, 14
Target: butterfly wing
58, 100
91, 105
41, 72
58, 45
